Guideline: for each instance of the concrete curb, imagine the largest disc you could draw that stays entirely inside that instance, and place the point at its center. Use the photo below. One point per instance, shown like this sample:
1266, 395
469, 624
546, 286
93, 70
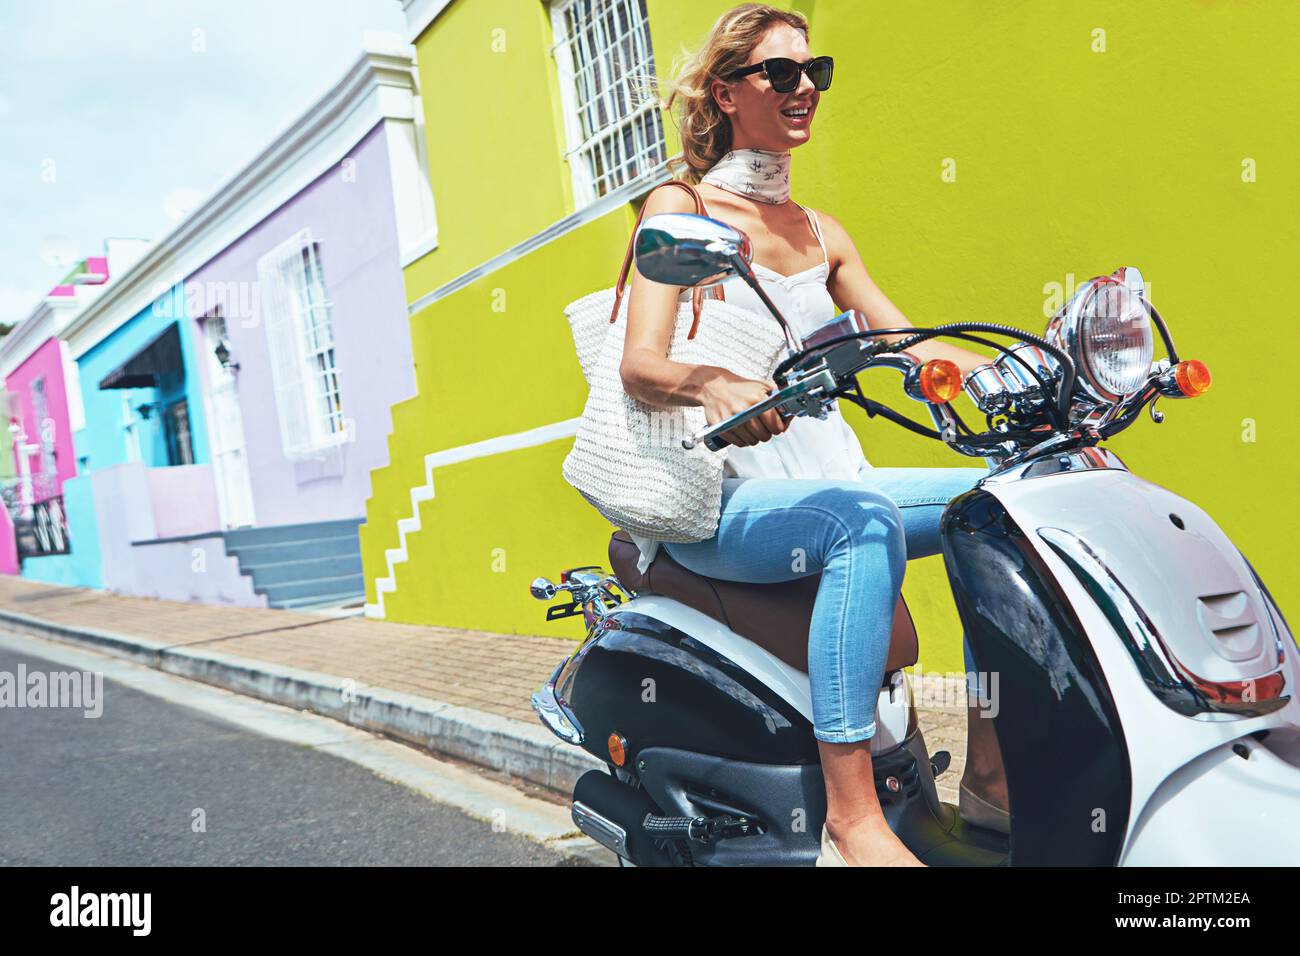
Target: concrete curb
523, 751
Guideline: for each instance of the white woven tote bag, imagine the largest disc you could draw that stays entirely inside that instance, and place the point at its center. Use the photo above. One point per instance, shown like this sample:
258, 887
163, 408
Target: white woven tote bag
627, 458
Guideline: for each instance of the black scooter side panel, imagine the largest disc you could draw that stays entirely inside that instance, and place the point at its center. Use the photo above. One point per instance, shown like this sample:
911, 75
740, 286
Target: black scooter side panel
657, 687
789, 804
1061, 739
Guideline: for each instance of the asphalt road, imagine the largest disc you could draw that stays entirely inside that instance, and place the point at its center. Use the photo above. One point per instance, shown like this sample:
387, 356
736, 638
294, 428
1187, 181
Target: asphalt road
128, 788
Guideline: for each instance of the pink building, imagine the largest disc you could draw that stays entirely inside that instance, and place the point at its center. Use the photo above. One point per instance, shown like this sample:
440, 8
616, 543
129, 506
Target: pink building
41, 410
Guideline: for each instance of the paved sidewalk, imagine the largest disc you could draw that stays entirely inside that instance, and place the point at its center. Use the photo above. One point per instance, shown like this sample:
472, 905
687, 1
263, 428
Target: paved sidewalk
464, 693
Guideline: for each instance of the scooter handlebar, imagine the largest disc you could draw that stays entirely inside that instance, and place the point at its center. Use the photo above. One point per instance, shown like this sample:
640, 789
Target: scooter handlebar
790, 400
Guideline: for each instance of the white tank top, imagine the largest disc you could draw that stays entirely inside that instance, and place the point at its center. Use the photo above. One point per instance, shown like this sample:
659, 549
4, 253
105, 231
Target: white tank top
809, 447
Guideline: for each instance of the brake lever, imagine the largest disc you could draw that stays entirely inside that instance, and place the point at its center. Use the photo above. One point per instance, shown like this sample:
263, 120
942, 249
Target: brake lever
803, 395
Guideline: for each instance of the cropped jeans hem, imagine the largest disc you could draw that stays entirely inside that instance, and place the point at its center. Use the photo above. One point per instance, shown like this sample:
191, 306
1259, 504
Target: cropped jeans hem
846, 736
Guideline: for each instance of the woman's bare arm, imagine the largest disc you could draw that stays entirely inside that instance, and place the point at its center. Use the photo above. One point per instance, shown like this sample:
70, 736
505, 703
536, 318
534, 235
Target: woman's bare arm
651, 377
852, 287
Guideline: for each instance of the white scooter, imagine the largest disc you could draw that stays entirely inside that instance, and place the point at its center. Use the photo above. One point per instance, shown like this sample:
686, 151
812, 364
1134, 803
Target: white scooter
1144, 674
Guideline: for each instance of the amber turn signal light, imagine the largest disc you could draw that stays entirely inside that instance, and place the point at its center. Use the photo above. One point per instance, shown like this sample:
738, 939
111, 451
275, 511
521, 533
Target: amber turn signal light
1193, 377
617, 750
940, 381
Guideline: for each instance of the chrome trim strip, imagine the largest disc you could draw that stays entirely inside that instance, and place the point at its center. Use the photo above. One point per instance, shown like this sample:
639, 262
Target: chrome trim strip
600, 828
557, 718
1091, 458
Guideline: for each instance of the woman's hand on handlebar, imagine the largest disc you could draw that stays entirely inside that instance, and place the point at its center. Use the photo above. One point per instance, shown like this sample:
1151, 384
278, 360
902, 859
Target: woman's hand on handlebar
728, 394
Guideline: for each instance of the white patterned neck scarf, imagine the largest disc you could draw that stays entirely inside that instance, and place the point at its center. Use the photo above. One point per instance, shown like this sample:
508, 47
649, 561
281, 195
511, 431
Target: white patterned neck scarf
756, 173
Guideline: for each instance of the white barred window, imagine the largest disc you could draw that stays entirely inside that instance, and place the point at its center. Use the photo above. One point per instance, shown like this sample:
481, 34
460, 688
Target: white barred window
300, 336
615, 133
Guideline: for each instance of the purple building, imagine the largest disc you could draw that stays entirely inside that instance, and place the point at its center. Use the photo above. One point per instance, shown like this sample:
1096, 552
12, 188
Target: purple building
289, 328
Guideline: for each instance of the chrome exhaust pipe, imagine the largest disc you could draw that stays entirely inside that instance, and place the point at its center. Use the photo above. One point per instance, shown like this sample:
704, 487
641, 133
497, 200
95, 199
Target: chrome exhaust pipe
612, 813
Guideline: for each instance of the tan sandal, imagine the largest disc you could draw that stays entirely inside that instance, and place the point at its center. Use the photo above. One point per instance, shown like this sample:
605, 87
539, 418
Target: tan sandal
830, 854
976, 810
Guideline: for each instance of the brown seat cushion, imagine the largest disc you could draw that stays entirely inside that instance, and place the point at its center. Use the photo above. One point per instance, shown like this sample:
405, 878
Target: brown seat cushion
774, 616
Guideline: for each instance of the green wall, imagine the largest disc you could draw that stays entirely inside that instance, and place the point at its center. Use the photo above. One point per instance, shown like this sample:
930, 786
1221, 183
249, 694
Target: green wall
495, 133
494, 358
1067, 161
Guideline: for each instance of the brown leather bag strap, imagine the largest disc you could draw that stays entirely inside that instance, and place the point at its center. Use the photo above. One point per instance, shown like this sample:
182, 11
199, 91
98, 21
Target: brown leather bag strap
697, 295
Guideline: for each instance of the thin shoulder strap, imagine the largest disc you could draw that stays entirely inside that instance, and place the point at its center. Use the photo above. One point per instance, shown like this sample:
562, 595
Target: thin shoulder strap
817, 231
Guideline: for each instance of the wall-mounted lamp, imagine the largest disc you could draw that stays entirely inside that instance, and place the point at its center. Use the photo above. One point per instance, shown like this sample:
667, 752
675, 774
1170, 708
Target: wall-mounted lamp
222, 352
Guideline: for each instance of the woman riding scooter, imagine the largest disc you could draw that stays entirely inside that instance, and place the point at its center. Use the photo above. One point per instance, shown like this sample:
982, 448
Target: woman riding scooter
799, 496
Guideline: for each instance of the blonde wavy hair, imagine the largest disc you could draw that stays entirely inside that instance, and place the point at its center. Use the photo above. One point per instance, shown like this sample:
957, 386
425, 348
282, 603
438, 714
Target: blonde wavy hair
704, 129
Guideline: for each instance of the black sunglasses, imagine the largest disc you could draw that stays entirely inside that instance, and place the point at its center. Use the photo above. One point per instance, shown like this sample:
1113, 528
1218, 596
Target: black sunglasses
784, 73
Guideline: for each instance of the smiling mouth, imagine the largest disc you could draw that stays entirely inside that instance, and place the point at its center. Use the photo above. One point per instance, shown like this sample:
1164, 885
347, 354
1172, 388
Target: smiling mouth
797, 113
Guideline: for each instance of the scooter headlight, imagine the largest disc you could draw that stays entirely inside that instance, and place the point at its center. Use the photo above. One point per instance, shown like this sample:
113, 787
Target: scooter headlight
1106, 330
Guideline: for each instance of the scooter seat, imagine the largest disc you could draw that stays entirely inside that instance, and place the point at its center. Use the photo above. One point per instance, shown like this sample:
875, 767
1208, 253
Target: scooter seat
774, 616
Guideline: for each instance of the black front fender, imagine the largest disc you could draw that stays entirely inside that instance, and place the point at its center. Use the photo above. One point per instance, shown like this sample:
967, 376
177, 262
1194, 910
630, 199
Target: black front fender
1057, 725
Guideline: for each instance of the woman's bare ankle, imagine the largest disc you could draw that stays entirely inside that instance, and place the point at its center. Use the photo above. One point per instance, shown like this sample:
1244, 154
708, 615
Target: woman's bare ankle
868, 841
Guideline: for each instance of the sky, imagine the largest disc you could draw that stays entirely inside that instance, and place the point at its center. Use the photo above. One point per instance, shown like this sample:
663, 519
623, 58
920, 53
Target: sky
117, 116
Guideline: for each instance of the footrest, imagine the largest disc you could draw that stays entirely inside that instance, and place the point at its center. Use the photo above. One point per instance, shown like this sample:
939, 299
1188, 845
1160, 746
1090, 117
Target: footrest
698, 829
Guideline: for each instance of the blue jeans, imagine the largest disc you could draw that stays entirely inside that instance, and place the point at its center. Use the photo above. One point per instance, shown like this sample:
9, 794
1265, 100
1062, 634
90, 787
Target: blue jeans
859, 535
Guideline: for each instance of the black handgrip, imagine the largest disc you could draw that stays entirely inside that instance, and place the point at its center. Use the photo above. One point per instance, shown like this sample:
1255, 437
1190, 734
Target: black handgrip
718, 442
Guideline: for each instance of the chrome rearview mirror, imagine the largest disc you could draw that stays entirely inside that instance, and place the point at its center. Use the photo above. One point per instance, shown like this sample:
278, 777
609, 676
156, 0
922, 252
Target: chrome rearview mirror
682, 249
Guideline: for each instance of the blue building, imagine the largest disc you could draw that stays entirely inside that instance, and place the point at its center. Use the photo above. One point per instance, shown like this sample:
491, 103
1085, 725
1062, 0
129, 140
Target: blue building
141, 452
143, 400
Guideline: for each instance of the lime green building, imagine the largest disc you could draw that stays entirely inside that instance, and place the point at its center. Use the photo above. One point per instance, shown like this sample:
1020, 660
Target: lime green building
986, 158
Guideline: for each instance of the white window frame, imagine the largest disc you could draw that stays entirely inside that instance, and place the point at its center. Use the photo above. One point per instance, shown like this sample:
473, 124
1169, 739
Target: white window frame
72, 388
617, 99
297, 316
